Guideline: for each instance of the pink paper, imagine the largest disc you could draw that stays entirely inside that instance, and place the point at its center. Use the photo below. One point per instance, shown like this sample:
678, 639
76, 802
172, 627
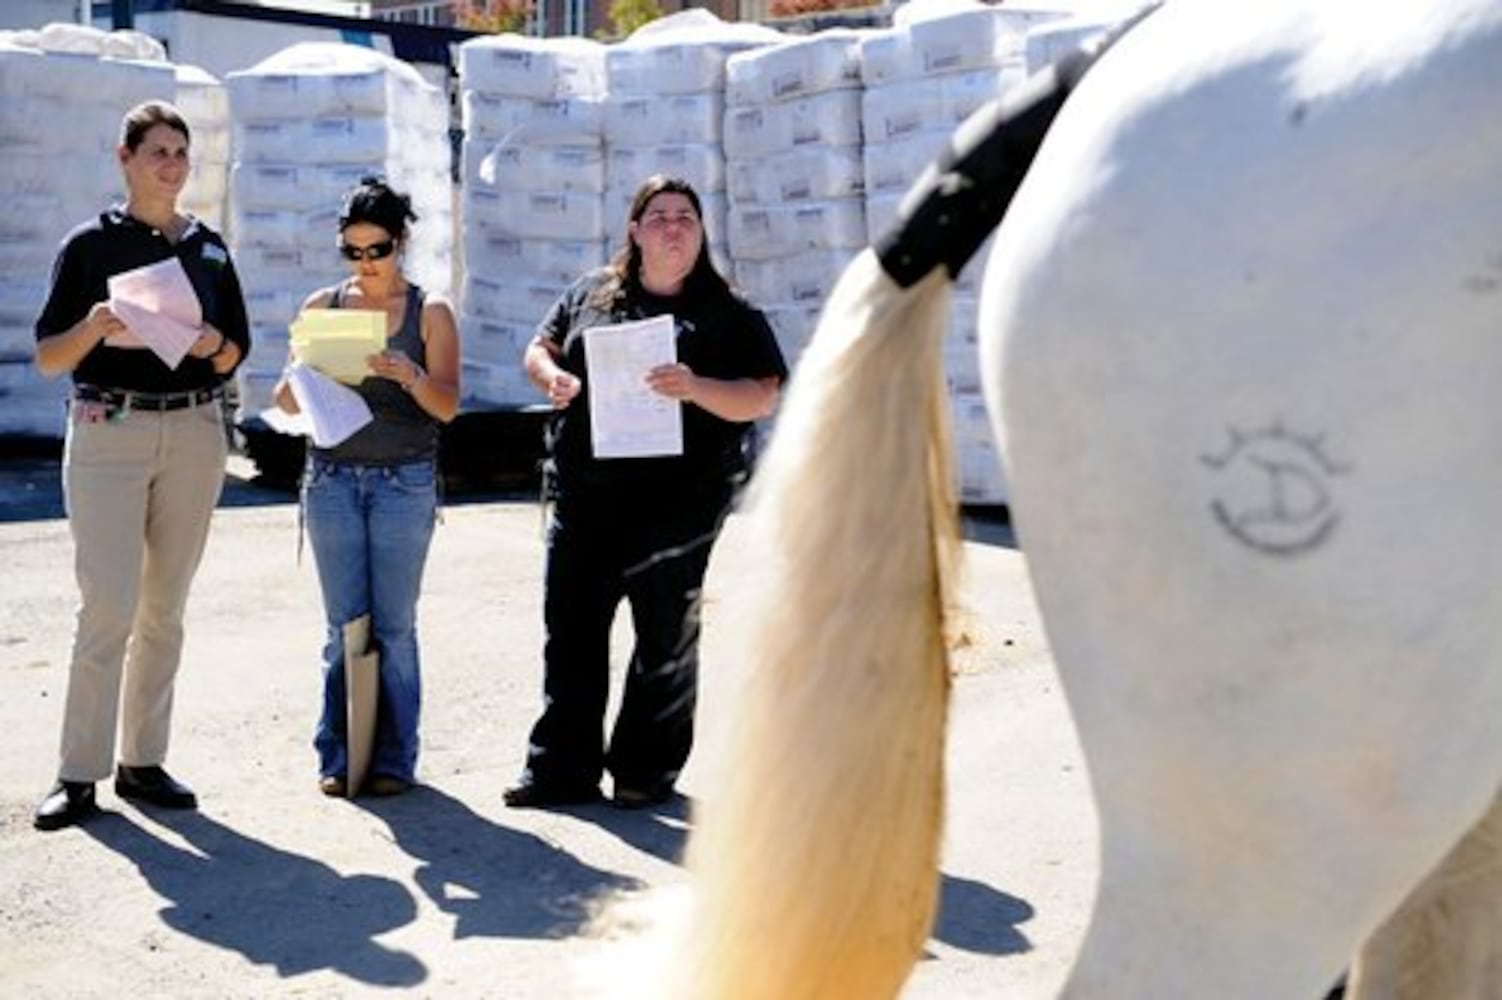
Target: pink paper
158, 304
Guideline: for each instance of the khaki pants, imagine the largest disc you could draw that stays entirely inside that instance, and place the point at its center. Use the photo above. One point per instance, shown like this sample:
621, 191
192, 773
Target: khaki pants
140, 491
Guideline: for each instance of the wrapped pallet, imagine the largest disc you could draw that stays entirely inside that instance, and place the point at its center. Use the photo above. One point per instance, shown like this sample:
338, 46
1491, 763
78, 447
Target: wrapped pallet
1048, 41
204, 103
307, 124
533, 182
792, 148
665, 113
941, 61
54, 177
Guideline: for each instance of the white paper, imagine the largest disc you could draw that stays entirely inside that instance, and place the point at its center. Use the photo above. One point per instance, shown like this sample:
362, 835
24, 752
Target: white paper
159, 306
290, 424
334, 412
627, 419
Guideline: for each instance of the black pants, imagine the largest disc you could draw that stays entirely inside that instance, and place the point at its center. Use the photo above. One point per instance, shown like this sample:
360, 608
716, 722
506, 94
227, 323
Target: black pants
655, 559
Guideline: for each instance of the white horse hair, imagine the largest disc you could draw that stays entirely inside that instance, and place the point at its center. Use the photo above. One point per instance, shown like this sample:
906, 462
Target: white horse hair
840, 724
1243, 329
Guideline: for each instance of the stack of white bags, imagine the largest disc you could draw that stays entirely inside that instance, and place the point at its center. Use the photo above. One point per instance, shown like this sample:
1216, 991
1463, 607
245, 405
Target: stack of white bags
533, 196
793, 153
665, 113
800, 147
925, 75
1048, 42
308, 124
65, 89
204, 103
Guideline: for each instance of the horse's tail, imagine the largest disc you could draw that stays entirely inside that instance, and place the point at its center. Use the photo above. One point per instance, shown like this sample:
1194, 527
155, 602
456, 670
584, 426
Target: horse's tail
814, 858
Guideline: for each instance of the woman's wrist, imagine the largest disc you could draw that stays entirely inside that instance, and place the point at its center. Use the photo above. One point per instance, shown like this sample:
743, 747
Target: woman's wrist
223, 346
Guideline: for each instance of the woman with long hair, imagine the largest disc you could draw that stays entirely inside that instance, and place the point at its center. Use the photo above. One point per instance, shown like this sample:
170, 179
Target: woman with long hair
639, 528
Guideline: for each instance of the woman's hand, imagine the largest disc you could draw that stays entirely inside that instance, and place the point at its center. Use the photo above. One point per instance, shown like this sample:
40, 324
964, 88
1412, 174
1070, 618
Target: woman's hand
675, 381
562, 388
396, 366
64, 352
209, 343
102, 322
540, 362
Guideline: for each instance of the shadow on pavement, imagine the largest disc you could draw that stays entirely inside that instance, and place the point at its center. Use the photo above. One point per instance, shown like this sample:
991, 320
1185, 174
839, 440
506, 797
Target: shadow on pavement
977, 918
495, 881
31, 488
271, 906
988, 526
661, 831
972, 916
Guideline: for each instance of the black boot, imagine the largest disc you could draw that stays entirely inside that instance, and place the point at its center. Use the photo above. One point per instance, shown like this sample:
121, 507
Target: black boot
68, 803
153, 784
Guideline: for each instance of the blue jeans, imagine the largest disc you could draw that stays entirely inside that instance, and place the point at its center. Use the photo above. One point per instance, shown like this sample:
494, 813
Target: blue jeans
369, 527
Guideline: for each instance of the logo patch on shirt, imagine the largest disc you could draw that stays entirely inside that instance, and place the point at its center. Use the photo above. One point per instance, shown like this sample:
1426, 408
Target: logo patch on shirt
214, 253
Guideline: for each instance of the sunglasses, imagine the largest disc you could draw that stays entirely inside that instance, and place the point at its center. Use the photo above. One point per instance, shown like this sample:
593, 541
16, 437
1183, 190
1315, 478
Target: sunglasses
376, 251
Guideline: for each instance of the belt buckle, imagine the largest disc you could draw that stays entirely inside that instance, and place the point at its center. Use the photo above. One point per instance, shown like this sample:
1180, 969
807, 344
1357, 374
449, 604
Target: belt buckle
115, 412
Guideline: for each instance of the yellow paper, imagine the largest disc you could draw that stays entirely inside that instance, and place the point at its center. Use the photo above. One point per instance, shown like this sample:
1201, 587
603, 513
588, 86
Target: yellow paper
337, 341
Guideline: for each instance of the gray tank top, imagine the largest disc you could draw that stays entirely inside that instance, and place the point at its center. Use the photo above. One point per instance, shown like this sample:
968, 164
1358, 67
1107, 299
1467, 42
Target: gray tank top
402, 431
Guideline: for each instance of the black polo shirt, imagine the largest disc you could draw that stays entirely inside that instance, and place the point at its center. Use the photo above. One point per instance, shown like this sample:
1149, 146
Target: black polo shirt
114, 243
718, 334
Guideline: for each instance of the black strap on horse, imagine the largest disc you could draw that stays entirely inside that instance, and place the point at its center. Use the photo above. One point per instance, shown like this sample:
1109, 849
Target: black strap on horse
948, 213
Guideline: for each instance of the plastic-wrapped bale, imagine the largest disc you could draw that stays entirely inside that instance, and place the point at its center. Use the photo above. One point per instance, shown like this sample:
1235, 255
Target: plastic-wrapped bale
793, 156
53, 178
1048, 41
204, 103
923, 77
306, 125
533, 181
666, 112
81, 39
31, 405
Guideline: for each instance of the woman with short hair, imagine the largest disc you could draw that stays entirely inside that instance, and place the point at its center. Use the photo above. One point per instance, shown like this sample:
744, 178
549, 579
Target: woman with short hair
143, 465
371, 500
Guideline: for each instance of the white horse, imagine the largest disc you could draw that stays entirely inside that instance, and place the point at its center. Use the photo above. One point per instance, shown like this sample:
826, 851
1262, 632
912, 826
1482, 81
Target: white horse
1243, 329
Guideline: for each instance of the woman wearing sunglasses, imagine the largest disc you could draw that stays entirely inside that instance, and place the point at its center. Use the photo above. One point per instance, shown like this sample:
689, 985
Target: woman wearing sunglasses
371, 500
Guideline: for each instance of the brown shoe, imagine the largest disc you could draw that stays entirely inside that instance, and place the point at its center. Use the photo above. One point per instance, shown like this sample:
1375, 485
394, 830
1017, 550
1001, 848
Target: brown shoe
333, 786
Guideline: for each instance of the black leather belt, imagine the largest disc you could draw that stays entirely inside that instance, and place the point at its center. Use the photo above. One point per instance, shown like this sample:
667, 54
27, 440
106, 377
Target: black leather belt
160, 402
